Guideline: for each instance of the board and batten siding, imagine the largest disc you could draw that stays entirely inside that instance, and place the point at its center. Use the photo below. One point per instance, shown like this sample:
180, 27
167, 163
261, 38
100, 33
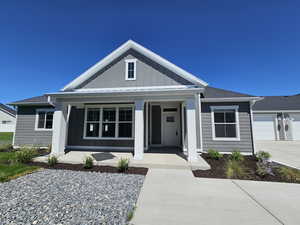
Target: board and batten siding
25, 134
76, 135
148, 73
244, 145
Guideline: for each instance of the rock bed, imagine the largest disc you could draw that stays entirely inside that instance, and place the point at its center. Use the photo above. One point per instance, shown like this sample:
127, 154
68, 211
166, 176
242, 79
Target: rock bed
69, 197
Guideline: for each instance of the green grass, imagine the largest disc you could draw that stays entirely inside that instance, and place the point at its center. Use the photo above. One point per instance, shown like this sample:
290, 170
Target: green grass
12, 171
6, 137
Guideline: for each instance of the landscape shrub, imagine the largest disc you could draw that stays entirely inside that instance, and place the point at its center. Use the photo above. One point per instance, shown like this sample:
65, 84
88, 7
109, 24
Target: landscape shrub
25, 155
236, 156
214, 154
3, 177
52, 160
123, 165
264, 168
88, 162
235, 170
289, 174
263, 156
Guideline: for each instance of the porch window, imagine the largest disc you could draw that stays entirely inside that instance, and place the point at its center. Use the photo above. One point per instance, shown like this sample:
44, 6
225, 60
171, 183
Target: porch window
111, 122
225, 123
44, 119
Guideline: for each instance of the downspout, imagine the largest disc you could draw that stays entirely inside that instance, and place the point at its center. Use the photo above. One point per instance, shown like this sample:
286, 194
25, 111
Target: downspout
251, 103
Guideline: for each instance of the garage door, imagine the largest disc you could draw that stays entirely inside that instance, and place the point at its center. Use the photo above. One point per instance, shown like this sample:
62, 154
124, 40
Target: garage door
263, 127
296, 125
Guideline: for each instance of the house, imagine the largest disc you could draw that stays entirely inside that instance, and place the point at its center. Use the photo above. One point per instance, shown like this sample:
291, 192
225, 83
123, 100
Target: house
135, 100
7, 118
277, 118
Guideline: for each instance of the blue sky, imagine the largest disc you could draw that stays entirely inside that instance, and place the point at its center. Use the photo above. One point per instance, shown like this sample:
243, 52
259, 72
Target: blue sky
246, 46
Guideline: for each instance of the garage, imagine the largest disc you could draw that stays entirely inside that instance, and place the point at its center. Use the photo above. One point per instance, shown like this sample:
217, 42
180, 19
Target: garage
264, 126
277, 118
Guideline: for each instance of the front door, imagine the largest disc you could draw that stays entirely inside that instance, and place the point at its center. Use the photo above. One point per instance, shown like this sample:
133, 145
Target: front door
171, 125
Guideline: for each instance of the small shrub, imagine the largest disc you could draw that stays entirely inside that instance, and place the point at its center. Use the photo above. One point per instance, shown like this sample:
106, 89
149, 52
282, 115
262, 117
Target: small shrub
263, 156
3, 177
88, 162
235, 170
263, 169
214, 154
123, 165
6, 147
52, 160
25, 155
236, 156
289, 174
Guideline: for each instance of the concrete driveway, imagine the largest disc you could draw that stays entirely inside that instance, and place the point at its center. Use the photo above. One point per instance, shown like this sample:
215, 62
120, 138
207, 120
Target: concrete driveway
286, 152
173, 196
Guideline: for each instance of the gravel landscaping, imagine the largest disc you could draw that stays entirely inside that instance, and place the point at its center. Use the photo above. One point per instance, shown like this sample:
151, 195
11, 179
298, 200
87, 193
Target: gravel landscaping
69, 197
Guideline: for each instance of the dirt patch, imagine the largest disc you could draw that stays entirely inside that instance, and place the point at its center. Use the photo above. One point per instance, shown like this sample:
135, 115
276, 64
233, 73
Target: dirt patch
101, 169
218, 169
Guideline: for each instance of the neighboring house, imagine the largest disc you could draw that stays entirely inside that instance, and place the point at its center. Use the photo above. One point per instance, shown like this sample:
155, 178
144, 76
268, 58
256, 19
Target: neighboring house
7, 119
277, 118
134, 100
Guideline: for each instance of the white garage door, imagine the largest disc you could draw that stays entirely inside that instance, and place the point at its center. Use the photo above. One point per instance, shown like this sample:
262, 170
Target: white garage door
296, 125
263, 127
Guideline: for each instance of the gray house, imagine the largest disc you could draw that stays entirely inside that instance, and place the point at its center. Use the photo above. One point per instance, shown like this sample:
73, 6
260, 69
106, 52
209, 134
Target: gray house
135, 100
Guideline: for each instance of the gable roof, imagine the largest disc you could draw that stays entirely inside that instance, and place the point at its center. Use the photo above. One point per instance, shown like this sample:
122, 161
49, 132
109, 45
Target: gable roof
122, 49
277, 103
212, 92
38, 100
7, 109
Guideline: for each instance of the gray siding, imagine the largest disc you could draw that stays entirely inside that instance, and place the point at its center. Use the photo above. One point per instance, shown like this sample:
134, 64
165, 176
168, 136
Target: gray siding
76, 129
25, 128
148, 73
244, 145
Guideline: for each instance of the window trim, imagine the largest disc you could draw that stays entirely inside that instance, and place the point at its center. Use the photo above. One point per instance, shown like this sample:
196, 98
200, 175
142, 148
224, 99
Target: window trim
237, 121
37, 119
127, 61
117, 107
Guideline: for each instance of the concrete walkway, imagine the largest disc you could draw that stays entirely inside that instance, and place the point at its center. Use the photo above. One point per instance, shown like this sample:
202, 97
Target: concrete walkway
172, 196
285, 152
151, 160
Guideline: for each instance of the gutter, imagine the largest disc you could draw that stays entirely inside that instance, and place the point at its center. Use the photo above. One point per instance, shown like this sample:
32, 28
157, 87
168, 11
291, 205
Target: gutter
234, 99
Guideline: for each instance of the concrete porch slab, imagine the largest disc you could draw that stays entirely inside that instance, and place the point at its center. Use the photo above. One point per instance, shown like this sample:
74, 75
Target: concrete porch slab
150, 160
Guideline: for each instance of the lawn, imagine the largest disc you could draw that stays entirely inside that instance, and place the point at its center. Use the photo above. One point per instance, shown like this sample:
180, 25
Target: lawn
10, 170
6, 137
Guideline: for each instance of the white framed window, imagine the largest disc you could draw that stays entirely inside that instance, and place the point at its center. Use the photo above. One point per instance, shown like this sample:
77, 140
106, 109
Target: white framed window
109, 122
130, 73
44, 119
225, 123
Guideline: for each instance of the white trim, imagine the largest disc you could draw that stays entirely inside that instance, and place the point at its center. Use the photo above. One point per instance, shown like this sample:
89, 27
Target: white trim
127, 61
200, 121
233, 99
147, 125
14, 135
98, 147
276, 111
237, 122
37, 119
122, 49
100, 122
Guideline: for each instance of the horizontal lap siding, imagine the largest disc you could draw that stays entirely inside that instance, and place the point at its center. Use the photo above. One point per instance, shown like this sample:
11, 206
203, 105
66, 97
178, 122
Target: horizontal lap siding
244, 145
25, 128
76, 129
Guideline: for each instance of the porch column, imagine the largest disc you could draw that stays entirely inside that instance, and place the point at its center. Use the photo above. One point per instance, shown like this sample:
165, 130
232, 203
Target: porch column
139, 130
191, 130
59, 129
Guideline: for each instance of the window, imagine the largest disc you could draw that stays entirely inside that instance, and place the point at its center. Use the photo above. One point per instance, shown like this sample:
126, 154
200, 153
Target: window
225, 123
44, 119
130, 69
109, 122
6, 121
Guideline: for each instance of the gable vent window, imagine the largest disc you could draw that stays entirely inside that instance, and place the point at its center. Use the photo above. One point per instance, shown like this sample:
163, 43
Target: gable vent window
130, 69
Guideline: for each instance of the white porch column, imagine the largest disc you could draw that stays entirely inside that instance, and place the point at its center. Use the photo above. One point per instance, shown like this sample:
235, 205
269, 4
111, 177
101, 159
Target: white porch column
191, 129
59, 129
139, 130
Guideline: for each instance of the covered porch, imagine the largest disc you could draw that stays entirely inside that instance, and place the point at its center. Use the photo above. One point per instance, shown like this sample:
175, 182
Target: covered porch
132, 125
